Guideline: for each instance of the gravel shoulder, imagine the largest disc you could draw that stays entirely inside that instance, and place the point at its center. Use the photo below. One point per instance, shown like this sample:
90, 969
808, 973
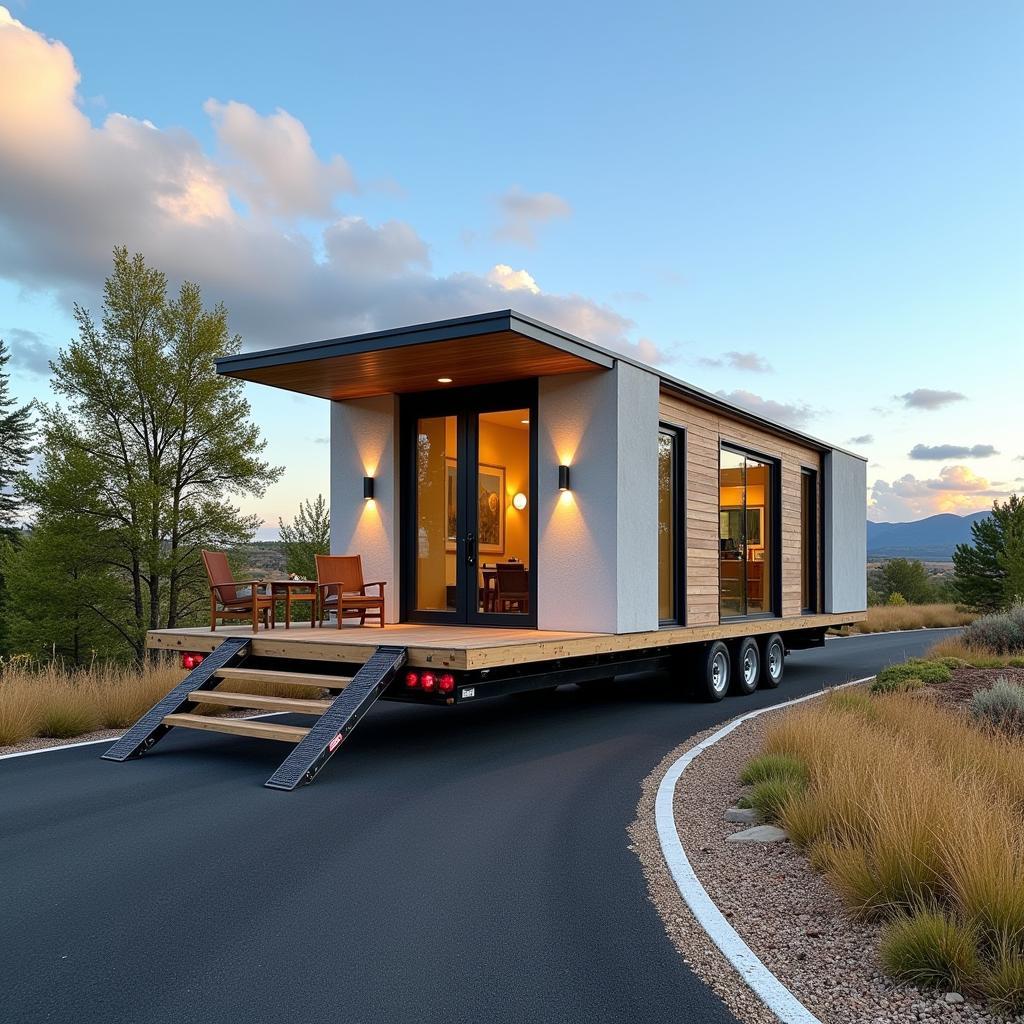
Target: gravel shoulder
784, 911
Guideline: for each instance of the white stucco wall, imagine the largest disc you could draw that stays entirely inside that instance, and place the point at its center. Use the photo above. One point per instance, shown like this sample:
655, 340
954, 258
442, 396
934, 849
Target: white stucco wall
363, 433
845, 535
597, 544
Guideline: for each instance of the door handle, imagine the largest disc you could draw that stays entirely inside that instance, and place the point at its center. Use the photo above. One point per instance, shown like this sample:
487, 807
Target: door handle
470, 549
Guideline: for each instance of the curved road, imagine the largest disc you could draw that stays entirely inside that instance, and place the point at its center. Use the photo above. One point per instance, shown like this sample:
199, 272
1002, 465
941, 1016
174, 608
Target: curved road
458, 865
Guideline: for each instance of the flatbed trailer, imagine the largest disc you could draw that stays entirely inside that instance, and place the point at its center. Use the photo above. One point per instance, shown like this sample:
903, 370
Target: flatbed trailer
534, 510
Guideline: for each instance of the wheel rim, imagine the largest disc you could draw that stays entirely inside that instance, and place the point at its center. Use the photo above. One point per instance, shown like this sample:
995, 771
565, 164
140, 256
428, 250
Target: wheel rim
719, 672
749, 667
774, 661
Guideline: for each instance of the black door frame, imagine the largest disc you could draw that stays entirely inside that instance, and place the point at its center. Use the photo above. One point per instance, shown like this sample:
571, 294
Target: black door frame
466, 404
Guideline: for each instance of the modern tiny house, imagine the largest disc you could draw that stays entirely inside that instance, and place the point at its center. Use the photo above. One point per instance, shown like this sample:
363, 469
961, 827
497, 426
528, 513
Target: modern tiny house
546, 510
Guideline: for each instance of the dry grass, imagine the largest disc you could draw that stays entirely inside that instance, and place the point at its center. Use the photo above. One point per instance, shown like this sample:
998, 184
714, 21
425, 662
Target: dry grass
975, 656
885, 618
913, 812
49, 699
52, 700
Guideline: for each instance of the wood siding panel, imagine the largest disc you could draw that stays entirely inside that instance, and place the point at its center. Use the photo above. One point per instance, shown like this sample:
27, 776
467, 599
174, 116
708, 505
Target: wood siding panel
706, 431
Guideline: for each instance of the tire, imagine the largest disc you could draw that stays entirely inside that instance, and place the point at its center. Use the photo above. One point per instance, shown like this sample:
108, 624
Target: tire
714, 669
773, 661
746, 668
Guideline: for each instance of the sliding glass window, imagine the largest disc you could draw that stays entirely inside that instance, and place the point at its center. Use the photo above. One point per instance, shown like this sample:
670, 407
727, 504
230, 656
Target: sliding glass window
746, 534
670, 541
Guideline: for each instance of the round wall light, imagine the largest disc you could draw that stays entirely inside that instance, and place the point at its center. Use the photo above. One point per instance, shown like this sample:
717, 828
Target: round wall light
519, 501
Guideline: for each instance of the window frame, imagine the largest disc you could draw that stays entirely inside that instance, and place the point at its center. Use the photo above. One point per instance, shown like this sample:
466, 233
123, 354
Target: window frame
772, 531
678, 435
816, 546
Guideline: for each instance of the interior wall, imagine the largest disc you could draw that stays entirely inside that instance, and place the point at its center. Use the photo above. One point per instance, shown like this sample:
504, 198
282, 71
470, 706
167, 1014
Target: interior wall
363, 433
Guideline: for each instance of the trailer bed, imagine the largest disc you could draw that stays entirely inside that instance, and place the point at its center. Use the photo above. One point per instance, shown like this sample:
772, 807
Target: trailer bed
469, 648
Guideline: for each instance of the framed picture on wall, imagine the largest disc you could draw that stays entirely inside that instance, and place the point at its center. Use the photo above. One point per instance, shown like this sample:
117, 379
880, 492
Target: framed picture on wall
491, 509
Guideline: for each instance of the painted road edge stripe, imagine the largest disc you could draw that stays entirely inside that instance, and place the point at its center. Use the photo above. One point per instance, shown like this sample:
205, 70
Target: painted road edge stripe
765, 985
108, 740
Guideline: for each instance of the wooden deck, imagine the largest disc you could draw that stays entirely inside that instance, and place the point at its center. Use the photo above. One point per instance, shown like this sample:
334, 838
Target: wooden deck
465, 647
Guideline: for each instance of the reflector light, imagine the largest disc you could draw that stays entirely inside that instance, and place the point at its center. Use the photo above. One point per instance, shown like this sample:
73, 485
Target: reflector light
427, 681
412, 680
446, 683
190, 661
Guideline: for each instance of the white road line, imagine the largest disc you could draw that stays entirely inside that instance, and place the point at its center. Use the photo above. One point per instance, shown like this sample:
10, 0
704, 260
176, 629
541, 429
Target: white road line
108, 739
765, 985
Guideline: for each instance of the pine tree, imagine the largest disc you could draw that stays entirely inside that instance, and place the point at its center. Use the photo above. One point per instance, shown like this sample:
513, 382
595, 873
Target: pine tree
16, 431
989, 572
308, 536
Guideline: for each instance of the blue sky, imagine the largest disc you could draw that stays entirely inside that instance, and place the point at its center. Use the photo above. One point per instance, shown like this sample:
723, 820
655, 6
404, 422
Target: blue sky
812, 208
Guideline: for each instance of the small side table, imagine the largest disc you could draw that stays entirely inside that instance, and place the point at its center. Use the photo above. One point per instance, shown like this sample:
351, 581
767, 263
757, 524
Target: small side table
292, 591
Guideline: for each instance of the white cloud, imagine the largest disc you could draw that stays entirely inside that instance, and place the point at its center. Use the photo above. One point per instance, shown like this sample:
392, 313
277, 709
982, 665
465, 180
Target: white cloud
929, 399
956, 489
28, 350
524, 212
73, 190
750, 361
275, 167
938, 452
511, 280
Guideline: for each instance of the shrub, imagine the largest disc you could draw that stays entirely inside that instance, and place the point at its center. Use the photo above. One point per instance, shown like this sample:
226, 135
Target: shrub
1000, 707
910, 675
66, 713
896, 600
851, 701
1003, 980
767, 767
926, 947
1001, 632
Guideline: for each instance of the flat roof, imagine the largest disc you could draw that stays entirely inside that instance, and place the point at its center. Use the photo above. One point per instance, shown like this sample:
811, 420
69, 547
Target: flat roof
481, 349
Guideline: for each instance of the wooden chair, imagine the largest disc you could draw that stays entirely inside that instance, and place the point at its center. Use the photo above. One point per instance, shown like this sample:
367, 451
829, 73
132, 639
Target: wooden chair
511, 587
340, 586
226, 602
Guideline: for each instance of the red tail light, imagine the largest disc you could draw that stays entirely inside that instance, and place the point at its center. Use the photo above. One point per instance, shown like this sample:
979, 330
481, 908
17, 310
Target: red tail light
428, 682
412, 680
191, 661
446, 683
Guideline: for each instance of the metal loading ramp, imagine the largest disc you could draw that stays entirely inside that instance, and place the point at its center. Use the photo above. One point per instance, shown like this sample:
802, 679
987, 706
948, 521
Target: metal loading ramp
336, 716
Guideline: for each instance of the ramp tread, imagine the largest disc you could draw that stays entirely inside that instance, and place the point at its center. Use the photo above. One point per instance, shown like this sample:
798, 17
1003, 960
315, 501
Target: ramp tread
266, 675
228, 698
239, 727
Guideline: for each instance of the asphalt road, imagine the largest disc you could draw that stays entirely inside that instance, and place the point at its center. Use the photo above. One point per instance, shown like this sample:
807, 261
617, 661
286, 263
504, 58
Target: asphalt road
460, 865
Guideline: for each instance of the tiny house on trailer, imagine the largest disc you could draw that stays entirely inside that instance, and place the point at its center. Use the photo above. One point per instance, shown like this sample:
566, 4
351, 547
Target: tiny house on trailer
543, 510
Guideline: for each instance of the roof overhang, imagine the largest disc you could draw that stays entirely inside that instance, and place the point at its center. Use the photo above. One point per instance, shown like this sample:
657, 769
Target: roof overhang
472, 351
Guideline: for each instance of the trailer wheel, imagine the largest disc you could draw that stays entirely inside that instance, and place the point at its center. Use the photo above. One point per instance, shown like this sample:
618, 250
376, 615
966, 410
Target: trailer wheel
773, 660
746, 669
714, 668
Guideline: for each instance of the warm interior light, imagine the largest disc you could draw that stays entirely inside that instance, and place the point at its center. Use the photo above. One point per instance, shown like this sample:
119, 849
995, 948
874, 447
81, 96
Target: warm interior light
563, 478
519, 501
527, 422
368, 488
444, 380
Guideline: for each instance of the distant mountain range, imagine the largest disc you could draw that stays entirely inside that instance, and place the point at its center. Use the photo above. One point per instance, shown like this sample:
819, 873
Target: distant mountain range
931, 539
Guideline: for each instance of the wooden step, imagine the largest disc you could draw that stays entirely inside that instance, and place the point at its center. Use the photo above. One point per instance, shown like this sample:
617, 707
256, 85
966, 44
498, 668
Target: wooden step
263, 675
298, 705
238, 727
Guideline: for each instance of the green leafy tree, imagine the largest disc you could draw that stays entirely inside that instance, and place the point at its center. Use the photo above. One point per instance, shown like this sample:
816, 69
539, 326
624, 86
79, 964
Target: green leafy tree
306, 537
906, 577
989, 572
151, 446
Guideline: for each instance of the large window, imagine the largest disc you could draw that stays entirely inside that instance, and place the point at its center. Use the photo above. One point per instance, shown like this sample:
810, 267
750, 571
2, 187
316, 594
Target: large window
809, 540
746, 534
670, 560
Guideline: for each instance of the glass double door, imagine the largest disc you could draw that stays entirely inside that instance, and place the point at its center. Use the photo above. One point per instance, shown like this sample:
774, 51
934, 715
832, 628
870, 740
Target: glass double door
469, 508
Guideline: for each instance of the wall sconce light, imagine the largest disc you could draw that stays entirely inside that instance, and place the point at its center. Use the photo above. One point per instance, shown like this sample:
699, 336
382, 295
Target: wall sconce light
563, 478
368, 488
519, 501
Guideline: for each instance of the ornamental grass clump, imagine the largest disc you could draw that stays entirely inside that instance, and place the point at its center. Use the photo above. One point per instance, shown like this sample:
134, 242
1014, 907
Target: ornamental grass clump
915, 815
